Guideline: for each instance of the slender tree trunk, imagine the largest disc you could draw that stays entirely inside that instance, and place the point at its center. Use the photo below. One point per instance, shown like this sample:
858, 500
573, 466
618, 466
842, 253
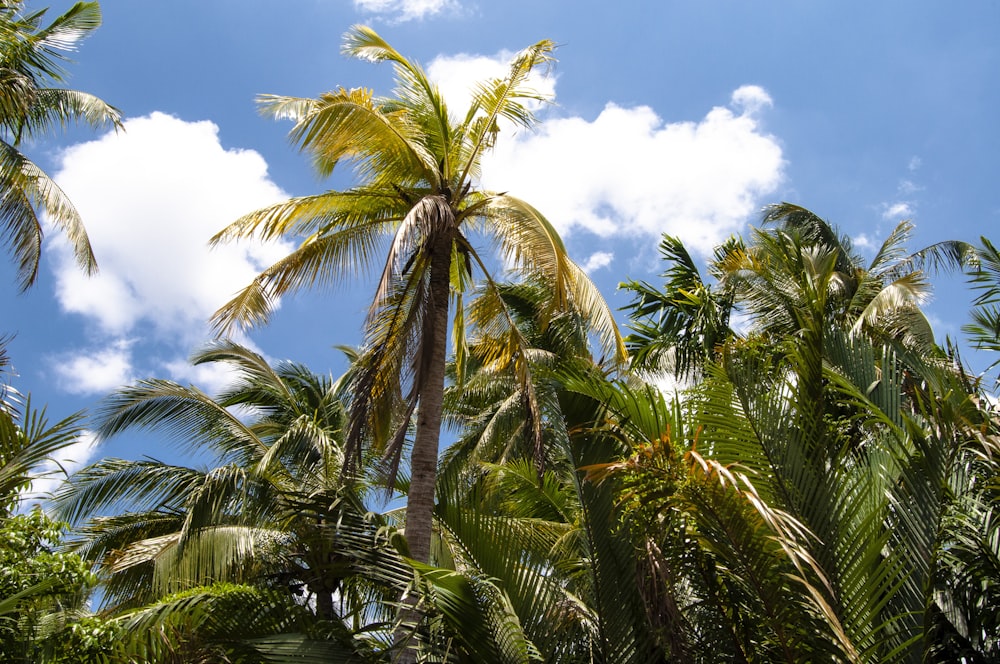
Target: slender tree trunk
424, 455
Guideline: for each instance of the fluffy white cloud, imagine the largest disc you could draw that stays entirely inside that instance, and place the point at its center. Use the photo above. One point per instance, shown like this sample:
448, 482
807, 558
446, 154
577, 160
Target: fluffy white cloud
95, 371
211, 378
404, 10
863, 241
627, 173
151, 197
597, 260
900, 210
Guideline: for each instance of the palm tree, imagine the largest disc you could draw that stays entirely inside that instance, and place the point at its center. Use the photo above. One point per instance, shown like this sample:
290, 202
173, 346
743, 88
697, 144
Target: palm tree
31, 56
417, 167
680, 326
838, 410
984, 329
27, 440
561, 569
277, 511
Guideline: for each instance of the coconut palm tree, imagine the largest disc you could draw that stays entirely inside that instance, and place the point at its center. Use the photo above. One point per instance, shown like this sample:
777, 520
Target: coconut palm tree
276, 511
418, 167
31, 64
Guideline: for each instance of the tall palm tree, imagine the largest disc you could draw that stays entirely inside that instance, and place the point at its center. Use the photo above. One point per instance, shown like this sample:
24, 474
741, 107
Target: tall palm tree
417, 168
31, 65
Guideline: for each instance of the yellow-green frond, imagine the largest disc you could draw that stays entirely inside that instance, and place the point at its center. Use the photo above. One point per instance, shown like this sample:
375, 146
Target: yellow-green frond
529, 242
349, 124
321, 260
589, 301
280, 107
321, 213
361, 42
501, 98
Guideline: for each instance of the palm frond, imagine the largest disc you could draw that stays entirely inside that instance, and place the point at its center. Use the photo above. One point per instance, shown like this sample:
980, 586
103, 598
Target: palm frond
23, 187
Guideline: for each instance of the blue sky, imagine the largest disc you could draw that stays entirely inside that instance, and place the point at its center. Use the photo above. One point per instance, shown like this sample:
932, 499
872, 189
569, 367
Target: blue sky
681, 117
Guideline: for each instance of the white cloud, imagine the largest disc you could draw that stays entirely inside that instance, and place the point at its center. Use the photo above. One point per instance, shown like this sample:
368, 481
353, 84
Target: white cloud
210, 378
597, 260
863, 241
404, 10
900, 210
628, 173
151, 197
95, 371
751, 98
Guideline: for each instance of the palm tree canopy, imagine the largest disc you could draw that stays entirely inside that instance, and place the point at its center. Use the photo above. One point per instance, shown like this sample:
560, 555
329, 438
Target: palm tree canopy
31, 105
410, 156
417, 203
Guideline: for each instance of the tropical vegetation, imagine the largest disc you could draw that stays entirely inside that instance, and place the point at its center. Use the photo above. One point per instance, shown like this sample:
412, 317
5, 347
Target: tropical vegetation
779, 462
31, 105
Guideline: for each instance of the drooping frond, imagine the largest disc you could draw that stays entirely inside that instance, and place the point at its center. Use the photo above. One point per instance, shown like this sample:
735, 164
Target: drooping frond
54, 108
531, 244
24, 188
118, 484
321, 260
320, 214
185, 414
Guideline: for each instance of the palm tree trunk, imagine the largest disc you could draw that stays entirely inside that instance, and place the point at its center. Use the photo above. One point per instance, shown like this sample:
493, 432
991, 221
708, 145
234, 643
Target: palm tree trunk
424, 456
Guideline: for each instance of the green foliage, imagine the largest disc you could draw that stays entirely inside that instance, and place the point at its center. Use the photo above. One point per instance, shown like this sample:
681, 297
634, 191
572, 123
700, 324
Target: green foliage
31, 64
42, 589
841, 461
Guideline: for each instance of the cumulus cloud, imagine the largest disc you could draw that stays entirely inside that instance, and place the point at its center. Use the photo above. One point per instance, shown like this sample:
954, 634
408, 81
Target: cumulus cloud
629, 173
404, 10
900, 210
863, 241
94, 371
597, 260
211, 378
151, 197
